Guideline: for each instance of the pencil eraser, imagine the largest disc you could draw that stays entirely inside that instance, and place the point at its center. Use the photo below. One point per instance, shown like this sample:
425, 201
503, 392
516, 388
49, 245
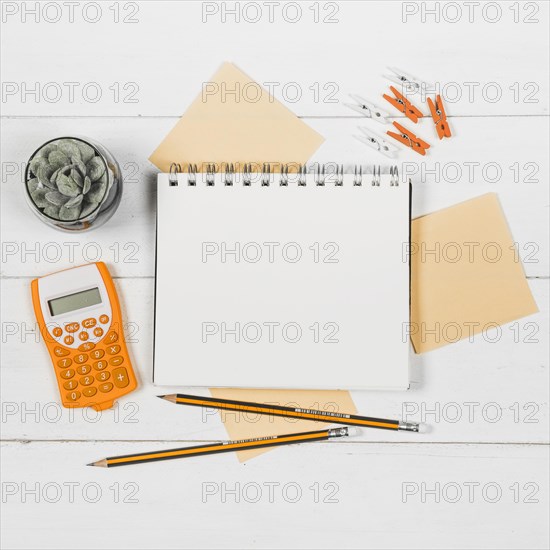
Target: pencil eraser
424, 428
353, 431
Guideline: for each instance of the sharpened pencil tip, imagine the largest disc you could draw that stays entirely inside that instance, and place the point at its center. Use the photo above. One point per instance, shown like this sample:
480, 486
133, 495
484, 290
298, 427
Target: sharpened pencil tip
91, 464
172, 397
161, 396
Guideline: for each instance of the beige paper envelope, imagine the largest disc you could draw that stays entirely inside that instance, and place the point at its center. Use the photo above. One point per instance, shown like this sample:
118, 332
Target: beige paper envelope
235, 120
240, 425
465, 274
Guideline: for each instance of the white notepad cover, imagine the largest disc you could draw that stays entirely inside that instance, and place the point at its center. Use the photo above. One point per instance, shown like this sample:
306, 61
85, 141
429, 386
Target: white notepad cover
282, 286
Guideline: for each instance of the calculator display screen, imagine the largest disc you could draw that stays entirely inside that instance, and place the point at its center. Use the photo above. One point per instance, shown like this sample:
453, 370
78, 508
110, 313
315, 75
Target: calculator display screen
86, 298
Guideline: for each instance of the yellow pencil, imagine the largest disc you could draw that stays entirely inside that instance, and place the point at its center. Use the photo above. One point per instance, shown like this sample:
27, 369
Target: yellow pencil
240, 445
292, 412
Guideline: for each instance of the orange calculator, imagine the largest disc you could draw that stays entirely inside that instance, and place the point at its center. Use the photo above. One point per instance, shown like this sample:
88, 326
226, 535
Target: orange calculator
79, 317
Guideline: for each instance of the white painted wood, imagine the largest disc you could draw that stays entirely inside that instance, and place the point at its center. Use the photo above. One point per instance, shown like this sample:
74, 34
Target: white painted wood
484, 157
492, 397
369, 496
313, 60
492, 389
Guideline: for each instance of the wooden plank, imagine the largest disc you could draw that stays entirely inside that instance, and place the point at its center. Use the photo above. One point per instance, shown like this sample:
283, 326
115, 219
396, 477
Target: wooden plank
491, 389
334, 495
454, 171
159, 54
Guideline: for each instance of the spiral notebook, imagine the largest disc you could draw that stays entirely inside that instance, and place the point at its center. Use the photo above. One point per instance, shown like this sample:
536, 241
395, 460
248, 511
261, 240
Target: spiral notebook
287, 279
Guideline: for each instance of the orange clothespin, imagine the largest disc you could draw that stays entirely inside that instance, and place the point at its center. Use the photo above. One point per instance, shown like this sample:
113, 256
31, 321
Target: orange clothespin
439, 116
406, 137
402, 104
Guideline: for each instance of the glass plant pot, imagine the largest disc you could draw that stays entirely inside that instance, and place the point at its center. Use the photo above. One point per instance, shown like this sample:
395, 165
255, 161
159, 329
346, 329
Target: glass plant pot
73, 183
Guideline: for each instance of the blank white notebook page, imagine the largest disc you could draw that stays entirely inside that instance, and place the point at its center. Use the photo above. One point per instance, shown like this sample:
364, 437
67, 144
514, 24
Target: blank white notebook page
282, 286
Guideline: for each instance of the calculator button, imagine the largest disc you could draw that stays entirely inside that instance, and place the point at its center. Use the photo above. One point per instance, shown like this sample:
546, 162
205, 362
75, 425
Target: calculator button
105, 387
120, 377
70, 384
64, 363
73, 395
100, 365
102, 376
104, 319
68, 339
115, 361
112, 350
89, 392
57, 332
98, 331
60, 352
97, 354
89, 323
67, 374
87, 380
83, 369
111, 337
83, 336
72, 327
81, 358
87, 346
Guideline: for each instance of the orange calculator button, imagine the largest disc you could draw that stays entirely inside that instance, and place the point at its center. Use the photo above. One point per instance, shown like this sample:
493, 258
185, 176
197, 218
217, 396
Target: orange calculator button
116, 361
105, 387
97, 354
60, 352
112, 350
104, 319
64, 363
98, 331
70, 384
89, 392
87, 346
83, 336
81, 358
57, 332
102, 376
120, 377
100, 365
83, 369
67, 374
89, 323
111, 337
68, 339
73, 395
72, 327
86, 380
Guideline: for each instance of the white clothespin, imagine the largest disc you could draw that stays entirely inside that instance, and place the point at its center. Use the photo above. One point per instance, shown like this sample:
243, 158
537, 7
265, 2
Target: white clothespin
410, 83
368, 109
376, 142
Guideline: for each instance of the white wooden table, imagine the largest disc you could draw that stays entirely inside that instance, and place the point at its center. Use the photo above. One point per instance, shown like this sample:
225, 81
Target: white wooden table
478, 479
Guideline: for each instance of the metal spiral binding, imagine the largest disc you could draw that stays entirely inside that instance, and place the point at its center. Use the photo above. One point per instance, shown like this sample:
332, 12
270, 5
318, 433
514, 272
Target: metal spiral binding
175, 169
321, 175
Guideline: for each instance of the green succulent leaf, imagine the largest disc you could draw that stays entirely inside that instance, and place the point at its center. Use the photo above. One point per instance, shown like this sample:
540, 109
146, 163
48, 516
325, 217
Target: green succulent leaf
56, 198
44, 174
69, 148
58, 159
87, 185
67, 186
69, 214
52, 211
95, 168
36, 163
76, 176
86, 152
97, 192
32, 184
46, 150
75, 201
39, 197
81, 167
87, 207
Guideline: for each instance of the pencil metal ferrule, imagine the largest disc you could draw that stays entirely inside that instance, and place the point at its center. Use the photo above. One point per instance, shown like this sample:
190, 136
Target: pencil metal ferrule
409, 426
338, 432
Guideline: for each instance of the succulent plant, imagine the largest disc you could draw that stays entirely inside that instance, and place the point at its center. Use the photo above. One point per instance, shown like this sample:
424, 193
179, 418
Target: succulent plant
67, 179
